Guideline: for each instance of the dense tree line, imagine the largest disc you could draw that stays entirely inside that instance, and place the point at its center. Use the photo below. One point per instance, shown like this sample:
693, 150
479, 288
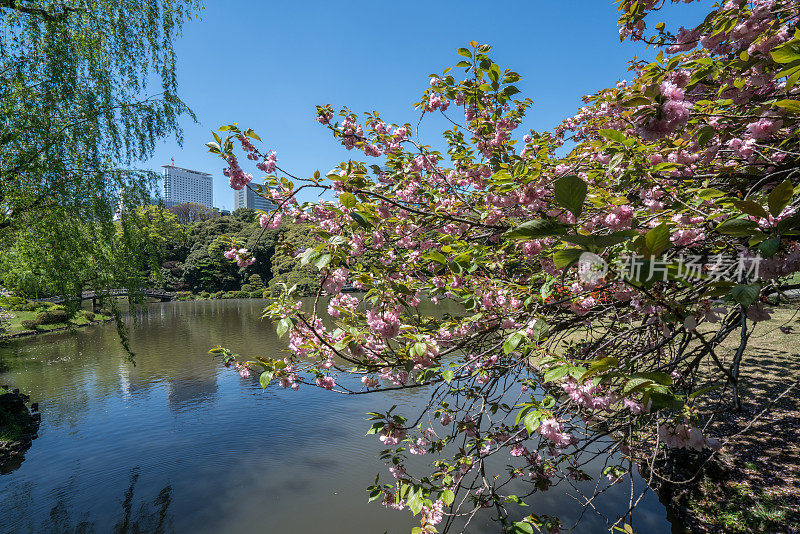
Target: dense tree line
193, 258
151, 248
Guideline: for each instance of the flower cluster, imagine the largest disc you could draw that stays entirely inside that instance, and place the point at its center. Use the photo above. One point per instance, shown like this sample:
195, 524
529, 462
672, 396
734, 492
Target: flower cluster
243, 257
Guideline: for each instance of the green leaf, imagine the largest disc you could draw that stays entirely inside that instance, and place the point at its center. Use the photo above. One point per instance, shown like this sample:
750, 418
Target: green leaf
447, 497
547, 288
661, 378
538, 329
520, 527
566, 257
769, 247
556, 372
532, 422
536, 228
448, 374
780, 197
510, 344
464, 52
283, 326
570, 192
705, 134
347, 199
250, 133
792, 106
663, 400
376, 427
745, 294
665, 166
436, 256
656, 241
360, 219
750, 207
323, 261
602, 241
785, 54
265, 378
789, 224
708, 194
415, 501
515, 499
634, 385
613, 135
308, 256
636, 101
737, 227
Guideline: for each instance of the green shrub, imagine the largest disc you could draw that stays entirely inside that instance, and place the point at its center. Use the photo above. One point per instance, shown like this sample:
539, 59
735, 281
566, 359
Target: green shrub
28, 305
11, 302
247, 288
28, 324
184, 295
52, 317
205, 294
256, 294
89, 315
229, 295
219, 295
241, 295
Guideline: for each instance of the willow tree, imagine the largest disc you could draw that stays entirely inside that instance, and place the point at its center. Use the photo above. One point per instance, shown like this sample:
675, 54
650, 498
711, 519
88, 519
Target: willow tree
86, 90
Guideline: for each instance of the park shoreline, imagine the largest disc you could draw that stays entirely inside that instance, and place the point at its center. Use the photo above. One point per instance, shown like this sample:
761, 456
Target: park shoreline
30, 333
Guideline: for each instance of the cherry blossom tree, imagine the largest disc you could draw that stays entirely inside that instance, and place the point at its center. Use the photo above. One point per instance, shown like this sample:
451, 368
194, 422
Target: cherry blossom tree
593, 287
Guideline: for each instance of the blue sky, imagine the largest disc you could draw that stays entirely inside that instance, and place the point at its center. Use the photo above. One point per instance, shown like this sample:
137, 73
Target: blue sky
267, 64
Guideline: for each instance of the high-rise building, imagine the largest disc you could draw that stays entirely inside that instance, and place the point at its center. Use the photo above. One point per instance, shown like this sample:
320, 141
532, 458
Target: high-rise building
184, 185
246, 198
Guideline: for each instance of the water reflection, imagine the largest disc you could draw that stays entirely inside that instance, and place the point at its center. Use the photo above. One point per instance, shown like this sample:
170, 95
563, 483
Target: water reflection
137, 515
191, 446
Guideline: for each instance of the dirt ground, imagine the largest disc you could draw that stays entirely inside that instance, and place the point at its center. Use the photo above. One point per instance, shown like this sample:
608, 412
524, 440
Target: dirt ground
754, 485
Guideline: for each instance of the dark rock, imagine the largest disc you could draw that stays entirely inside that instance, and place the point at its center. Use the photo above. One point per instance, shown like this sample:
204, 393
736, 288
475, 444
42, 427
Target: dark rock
15, 417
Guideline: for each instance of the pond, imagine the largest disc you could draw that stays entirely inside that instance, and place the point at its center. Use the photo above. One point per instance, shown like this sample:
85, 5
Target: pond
179, 443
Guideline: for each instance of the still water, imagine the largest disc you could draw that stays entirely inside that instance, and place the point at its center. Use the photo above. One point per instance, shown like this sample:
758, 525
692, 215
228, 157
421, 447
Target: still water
179, 443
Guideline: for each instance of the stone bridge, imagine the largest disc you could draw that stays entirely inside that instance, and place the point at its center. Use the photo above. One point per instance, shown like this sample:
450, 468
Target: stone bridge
159, 294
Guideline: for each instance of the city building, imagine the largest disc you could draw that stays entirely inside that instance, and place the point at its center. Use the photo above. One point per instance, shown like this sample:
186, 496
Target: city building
185, 185
246, 198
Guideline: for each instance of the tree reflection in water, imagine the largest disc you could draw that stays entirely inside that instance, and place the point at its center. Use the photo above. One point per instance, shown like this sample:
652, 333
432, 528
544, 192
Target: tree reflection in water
147, 518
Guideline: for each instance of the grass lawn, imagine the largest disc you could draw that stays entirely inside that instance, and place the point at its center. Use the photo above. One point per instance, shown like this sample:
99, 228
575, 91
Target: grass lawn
79, 319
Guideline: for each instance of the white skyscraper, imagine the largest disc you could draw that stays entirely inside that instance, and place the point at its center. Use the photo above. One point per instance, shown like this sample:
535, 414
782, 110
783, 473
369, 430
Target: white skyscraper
184, 185
246, 198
